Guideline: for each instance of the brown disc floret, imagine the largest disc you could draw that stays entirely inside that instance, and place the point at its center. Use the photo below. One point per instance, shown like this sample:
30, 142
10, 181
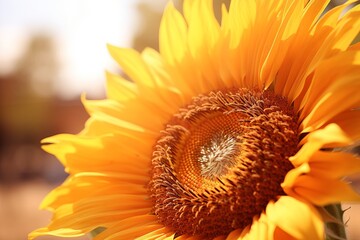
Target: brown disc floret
220, 160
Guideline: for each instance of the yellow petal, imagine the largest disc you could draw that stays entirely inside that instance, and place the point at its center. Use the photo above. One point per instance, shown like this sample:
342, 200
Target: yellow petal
312, 12
322, 191
258, 55
166, 237
82, 154
325, 110
203, 28
234, 31
89, 184
173, 35
162, 233
168, 88
69, 222
278, 37
96, 211
294, 70
355, 47
348, 121
188, 237
326, 73
234, 235
293, 174
330, 136
119, 89
348, 28
333, 164
280, 234
100, 125
136, 68
203, 34
298, 219
131, 228
128, 112
240, 17
261, 228
65, 232
133, 65
342, 84
125, 114
328, 36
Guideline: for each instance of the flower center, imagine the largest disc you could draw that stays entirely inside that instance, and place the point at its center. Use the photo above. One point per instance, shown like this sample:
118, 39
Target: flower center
221, 160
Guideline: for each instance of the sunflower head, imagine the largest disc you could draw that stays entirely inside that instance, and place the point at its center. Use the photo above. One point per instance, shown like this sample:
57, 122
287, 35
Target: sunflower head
234, 130
221, 160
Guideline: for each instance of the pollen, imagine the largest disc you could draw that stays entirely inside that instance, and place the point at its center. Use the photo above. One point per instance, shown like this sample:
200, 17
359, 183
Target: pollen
220, 160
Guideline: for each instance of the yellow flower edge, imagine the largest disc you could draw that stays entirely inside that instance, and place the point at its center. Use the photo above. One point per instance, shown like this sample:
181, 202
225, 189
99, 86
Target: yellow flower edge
286, 47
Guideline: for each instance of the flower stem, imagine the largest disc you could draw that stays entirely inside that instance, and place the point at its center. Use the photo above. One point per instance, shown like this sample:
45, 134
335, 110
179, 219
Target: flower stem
335, 230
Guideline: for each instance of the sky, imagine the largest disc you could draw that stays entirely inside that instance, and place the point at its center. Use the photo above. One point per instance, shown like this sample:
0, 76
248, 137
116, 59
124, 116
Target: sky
81, 29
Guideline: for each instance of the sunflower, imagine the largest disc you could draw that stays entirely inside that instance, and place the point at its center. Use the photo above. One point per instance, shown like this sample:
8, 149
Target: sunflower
233, 130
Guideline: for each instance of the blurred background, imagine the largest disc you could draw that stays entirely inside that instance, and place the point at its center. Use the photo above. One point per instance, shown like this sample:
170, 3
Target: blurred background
50, 53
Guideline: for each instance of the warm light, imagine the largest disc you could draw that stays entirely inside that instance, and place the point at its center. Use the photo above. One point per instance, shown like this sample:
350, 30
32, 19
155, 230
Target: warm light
80, 30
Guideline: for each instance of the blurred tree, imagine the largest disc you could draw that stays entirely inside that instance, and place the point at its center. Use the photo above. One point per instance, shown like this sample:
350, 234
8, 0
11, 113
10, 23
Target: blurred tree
38, 67
22, 94
25, 108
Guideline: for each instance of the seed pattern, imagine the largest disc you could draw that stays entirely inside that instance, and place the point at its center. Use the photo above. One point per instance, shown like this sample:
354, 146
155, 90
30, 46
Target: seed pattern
220, 160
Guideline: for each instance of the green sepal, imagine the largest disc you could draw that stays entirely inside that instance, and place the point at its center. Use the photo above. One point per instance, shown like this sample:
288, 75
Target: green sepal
96, 231
334, 226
